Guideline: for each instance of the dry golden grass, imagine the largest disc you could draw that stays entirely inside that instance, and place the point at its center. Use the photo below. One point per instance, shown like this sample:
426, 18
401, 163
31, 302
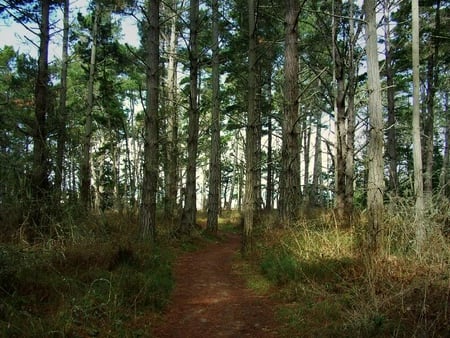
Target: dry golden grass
329, 290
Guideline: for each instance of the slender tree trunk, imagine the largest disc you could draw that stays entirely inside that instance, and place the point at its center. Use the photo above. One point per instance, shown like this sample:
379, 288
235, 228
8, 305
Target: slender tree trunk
270, 183
236, 171
340, 116
172, 179
188, 218
350, 116
85, 167
306, 158
147, 217
444, 182
290, 162
432, 80
130, 177
317, 171
258, 131
391, 146
251, 142
375, 184
40, 186
344, 107
417, 146
62, 118
214, 159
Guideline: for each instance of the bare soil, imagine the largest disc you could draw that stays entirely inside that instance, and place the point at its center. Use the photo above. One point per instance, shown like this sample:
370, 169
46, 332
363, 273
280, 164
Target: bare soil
212, 300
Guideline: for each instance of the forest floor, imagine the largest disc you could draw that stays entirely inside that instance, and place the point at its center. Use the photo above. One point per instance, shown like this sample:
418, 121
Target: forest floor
211, 299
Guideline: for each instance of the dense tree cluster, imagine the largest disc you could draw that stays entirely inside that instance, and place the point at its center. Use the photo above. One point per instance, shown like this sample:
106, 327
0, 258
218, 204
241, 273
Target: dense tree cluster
239, 104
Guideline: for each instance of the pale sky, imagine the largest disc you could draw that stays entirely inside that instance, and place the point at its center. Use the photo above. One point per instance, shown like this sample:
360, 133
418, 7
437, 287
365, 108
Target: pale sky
14, 34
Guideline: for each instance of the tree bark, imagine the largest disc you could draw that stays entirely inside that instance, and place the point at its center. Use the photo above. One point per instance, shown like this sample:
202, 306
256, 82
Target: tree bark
85, 167
375, 184
270, 166
391, 146
432, 80
62, 118
290, 162
345, 82
40, 186
214, 159
188, 218
417, 146
317, 171
444, 182
172, 179
147, 217
251, 142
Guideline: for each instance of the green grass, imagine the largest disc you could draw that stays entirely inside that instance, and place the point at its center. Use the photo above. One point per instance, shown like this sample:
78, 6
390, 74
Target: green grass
91, 287
323, 284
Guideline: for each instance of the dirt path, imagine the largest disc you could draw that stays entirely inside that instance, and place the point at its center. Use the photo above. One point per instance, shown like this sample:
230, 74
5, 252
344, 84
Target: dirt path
210, 300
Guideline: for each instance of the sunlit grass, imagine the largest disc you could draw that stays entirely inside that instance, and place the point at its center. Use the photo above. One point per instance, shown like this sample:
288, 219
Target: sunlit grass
320, 274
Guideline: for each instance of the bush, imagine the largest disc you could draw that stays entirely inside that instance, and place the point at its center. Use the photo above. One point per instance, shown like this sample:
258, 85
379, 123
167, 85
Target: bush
279, 267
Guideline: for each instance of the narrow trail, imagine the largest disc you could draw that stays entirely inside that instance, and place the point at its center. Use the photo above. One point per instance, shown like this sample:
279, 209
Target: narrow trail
210, 300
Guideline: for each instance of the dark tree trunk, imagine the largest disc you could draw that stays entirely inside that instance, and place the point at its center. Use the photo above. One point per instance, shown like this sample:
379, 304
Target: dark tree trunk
290, 162
40, 185
214, 164
188, 218
147, 217
85, 167
62, 118
251, 134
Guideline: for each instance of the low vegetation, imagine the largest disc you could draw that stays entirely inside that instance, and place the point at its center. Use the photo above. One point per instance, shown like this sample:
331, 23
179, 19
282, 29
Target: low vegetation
101, 282
97, 280
326, 289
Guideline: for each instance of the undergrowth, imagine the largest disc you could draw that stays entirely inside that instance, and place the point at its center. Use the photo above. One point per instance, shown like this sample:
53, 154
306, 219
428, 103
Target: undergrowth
320, 276
96, 280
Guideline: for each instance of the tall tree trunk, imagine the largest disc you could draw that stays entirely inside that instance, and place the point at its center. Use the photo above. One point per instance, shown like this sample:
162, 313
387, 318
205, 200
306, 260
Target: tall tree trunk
417, 146
290, 162
172, 179
188, 218
375, 184
129, 172
236, 170
340, 116
251, 133
350, 116
270, 183
306, 158
214, 159
62, 118
432, 80
147, 217
391, 146
345, 78
317, 171
40, 186
444, 181
85, 167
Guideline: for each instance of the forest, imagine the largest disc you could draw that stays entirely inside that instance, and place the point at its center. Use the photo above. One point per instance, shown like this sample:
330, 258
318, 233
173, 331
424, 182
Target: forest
315, 131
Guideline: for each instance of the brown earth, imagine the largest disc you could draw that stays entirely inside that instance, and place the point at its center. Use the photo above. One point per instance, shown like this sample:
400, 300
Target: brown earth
212, 300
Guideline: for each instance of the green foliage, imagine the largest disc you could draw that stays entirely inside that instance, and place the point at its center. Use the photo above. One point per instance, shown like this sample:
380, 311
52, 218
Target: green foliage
84, 288
280, 267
